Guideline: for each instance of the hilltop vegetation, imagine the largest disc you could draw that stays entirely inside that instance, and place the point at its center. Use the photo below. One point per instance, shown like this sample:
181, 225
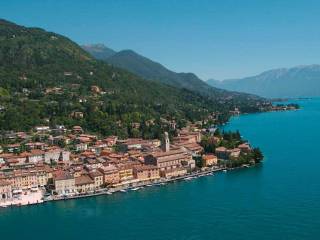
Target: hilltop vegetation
99, 51
46, 78
154, 71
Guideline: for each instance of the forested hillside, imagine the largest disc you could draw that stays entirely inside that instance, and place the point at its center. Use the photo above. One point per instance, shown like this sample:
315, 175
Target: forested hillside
45, 78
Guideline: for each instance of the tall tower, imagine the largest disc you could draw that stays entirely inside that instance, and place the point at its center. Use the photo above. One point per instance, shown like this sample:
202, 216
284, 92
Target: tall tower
166, 142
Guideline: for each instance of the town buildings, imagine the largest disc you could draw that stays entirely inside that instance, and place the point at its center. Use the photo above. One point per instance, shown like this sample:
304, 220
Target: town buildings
72, 162
64, 182
111, 174
209, 160
171, 160
5, 190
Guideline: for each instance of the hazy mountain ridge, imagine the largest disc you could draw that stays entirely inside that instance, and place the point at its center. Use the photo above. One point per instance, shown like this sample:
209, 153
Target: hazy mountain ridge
151, 70
300, 81
100, 51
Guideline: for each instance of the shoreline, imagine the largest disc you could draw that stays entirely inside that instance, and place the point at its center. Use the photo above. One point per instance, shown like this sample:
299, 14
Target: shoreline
125, 188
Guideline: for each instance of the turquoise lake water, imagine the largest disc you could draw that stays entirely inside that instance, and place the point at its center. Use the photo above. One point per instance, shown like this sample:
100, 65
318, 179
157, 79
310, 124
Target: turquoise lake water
279, 199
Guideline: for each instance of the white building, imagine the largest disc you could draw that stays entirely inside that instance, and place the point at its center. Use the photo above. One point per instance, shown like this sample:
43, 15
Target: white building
54, 155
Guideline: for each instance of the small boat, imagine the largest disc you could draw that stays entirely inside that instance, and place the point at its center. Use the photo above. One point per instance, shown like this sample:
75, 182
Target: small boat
34, 189
224, 170
162, 183
123, 190
149, 185
109, 193
135, 189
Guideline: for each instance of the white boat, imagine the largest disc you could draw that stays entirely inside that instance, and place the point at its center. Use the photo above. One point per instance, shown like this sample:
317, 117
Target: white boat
224, 170
188, 178
109, 193
123, 190
17, 191
34, 189
135, 189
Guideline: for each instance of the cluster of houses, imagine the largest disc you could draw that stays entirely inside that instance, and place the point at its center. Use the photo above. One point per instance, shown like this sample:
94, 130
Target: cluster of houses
72, 162
86, 163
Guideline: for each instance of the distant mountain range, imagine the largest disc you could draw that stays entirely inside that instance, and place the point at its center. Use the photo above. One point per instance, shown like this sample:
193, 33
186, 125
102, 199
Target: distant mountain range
149, 69
301, 81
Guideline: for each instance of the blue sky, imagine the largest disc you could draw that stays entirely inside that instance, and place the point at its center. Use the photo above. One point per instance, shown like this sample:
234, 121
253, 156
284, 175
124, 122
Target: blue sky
214, 39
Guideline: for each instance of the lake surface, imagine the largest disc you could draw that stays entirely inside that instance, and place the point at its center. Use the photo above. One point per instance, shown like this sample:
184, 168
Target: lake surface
279, 199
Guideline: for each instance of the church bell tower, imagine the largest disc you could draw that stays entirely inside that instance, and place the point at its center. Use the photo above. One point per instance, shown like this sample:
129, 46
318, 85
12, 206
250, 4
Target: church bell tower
166, 142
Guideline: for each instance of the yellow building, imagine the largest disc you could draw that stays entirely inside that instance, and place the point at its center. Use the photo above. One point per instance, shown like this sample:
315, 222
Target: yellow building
111, 174
209, 160
97, 177
146, 172
44, 174
64, 182
22, 179
175, 172
125, 173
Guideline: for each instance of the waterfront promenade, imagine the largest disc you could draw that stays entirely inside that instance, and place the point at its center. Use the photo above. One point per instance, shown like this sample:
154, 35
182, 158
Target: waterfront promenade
29, 198
38, 197
136, 186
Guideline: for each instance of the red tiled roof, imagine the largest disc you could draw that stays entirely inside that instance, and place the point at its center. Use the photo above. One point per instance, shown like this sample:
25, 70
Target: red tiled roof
83, 180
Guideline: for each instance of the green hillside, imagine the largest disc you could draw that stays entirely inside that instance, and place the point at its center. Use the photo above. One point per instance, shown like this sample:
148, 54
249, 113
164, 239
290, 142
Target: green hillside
48, 78
99, 51
151, 70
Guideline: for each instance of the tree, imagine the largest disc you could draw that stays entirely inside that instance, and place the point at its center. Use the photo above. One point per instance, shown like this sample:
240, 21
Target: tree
257, 155
208, 144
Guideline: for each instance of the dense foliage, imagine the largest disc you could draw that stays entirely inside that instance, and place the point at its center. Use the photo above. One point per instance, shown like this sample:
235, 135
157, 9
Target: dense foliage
46, 78
231, 140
